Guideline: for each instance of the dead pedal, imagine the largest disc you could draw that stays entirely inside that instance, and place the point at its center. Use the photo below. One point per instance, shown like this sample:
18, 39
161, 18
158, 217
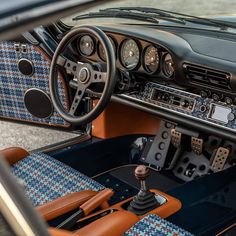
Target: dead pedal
197, 145
176, 138
219, 159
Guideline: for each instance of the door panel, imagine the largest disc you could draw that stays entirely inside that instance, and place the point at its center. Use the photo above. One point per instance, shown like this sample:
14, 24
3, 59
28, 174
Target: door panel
13, 84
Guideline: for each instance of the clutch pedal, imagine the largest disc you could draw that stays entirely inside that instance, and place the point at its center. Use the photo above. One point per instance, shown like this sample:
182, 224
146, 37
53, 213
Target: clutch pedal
176, 138
219, 159
197, 145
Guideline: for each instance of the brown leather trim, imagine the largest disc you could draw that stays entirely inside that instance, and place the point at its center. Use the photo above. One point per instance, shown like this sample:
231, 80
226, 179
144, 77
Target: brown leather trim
114, 224
96, 201
118, 119
59, 232
64, 204
167, 209
13, 154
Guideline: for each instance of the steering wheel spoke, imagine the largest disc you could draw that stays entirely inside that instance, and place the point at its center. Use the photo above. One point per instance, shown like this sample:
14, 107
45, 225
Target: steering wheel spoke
98, 77
70, 66
77, 99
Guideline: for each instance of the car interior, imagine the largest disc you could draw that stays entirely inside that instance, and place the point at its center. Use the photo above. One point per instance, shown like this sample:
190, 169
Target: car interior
155, 110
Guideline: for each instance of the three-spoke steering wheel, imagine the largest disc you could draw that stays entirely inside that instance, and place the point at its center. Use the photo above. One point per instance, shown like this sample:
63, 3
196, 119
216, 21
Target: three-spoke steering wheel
85, 75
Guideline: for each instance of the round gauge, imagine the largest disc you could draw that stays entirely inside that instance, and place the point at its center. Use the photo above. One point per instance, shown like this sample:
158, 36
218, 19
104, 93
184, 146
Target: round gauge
86, 45
151, 59
101, 51
129, 54
168, 66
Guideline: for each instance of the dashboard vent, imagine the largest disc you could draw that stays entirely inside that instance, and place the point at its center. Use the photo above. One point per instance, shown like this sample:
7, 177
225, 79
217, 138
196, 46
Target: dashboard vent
205, 76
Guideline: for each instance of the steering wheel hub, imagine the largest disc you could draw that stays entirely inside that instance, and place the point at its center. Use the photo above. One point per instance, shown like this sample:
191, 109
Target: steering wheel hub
84, 75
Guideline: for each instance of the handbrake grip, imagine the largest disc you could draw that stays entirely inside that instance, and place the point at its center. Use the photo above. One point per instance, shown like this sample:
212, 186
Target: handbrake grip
96, 201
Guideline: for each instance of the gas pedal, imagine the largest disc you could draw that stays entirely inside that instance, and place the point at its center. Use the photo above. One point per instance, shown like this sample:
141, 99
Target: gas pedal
219, 159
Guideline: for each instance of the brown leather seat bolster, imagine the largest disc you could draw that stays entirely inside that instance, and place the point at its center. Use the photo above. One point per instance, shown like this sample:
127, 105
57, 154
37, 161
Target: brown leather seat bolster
13, 154
114, 224
60, 232
64, 204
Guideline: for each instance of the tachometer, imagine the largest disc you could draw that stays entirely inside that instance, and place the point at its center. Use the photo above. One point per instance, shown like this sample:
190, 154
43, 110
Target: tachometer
101, 51
129, 54
168, 65
151, 59
86, 45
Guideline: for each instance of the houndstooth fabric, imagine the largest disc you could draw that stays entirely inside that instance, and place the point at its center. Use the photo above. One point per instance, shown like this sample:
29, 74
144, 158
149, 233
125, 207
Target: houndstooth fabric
47, 179
13, 84
153, 225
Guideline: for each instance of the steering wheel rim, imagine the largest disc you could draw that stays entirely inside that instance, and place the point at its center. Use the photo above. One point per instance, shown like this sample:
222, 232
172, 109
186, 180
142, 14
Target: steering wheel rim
109, 78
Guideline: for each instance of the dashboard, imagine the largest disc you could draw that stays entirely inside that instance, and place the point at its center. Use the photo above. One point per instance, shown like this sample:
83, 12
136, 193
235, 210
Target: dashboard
132, 54
184, 75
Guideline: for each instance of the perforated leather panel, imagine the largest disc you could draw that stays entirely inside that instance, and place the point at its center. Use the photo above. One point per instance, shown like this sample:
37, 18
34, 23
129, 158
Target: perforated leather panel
13, 84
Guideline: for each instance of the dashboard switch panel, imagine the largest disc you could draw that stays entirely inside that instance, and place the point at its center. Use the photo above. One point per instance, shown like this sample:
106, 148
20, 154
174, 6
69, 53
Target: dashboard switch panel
194, 106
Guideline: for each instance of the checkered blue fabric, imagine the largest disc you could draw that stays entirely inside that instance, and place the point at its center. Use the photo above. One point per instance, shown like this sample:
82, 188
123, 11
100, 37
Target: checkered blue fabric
153, 225
13, 84
47, 179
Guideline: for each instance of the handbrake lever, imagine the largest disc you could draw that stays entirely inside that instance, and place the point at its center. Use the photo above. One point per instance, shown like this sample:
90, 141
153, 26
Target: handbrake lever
87, 208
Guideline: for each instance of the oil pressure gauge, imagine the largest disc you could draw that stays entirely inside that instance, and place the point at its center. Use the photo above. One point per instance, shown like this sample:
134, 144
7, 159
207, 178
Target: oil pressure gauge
168, 65
151, 59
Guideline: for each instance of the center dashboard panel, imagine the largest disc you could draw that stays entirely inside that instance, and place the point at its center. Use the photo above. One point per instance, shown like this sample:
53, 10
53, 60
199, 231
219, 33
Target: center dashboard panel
162, 71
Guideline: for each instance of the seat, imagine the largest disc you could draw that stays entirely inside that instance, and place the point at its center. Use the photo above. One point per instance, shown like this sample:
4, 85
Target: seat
46, 180
153, 225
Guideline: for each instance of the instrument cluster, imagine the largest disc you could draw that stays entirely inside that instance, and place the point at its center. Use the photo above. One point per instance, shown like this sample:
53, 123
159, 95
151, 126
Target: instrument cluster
131, 54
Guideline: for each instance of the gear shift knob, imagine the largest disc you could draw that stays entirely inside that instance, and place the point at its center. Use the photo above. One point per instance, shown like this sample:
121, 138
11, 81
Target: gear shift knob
141, 172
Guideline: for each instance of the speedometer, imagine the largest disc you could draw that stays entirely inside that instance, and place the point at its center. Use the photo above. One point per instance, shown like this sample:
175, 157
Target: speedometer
129, 54
151, 59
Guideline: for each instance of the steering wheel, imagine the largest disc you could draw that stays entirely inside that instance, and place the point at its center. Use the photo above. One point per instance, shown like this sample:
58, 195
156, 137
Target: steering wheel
85, 75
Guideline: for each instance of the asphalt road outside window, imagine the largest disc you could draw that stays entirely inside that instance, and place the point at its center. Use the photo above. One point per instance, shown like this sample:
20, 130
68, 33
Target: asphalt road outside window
29, 137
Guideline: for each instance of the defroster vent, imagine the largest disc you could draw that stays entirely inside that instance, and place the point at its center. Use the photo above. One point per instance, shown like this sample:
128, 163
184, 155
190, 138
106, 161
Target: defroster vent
202, 75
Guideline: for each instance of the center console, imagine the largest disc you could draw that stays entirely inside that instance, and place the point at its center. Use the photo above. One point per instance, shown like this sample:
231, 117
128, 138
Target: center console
145, 202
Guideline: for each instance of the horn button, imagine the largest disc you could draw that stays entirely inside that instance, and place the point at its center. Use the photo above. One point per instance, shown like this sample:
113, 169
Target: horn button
84, 75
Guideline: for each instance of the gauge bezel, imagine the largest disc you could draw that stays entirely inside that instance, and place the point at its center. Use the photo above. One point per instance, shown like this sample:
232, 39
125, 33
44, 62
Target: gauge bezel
169, 76
78, 45
114, 44
144, 56
120, 53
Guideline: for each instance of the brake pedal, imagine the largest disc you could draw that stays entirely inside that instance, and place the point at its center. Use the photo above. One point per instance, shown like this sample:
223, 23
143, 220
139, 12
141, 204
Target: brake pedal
176, 138
197, 145
219, 159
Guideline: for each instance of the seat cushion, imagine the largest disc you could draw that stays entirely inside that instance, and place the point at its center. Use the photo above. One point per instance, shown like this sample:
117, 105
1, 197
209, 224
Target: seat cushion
47, 179
153, 225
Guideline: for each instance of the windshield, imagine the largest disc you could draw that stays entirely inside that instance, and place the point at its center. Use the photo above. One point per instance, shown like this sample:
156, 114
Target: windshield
221, 9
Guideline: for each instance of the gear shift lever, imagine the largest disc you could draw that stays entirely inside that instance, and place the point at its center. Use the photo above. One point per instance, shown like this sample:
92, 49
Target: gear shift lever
141, 173
145, 200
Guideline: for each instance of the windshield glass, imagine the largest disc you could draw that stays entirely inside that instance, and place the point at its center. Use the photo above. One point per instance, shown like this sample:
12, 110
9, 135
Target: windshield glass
221, 9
